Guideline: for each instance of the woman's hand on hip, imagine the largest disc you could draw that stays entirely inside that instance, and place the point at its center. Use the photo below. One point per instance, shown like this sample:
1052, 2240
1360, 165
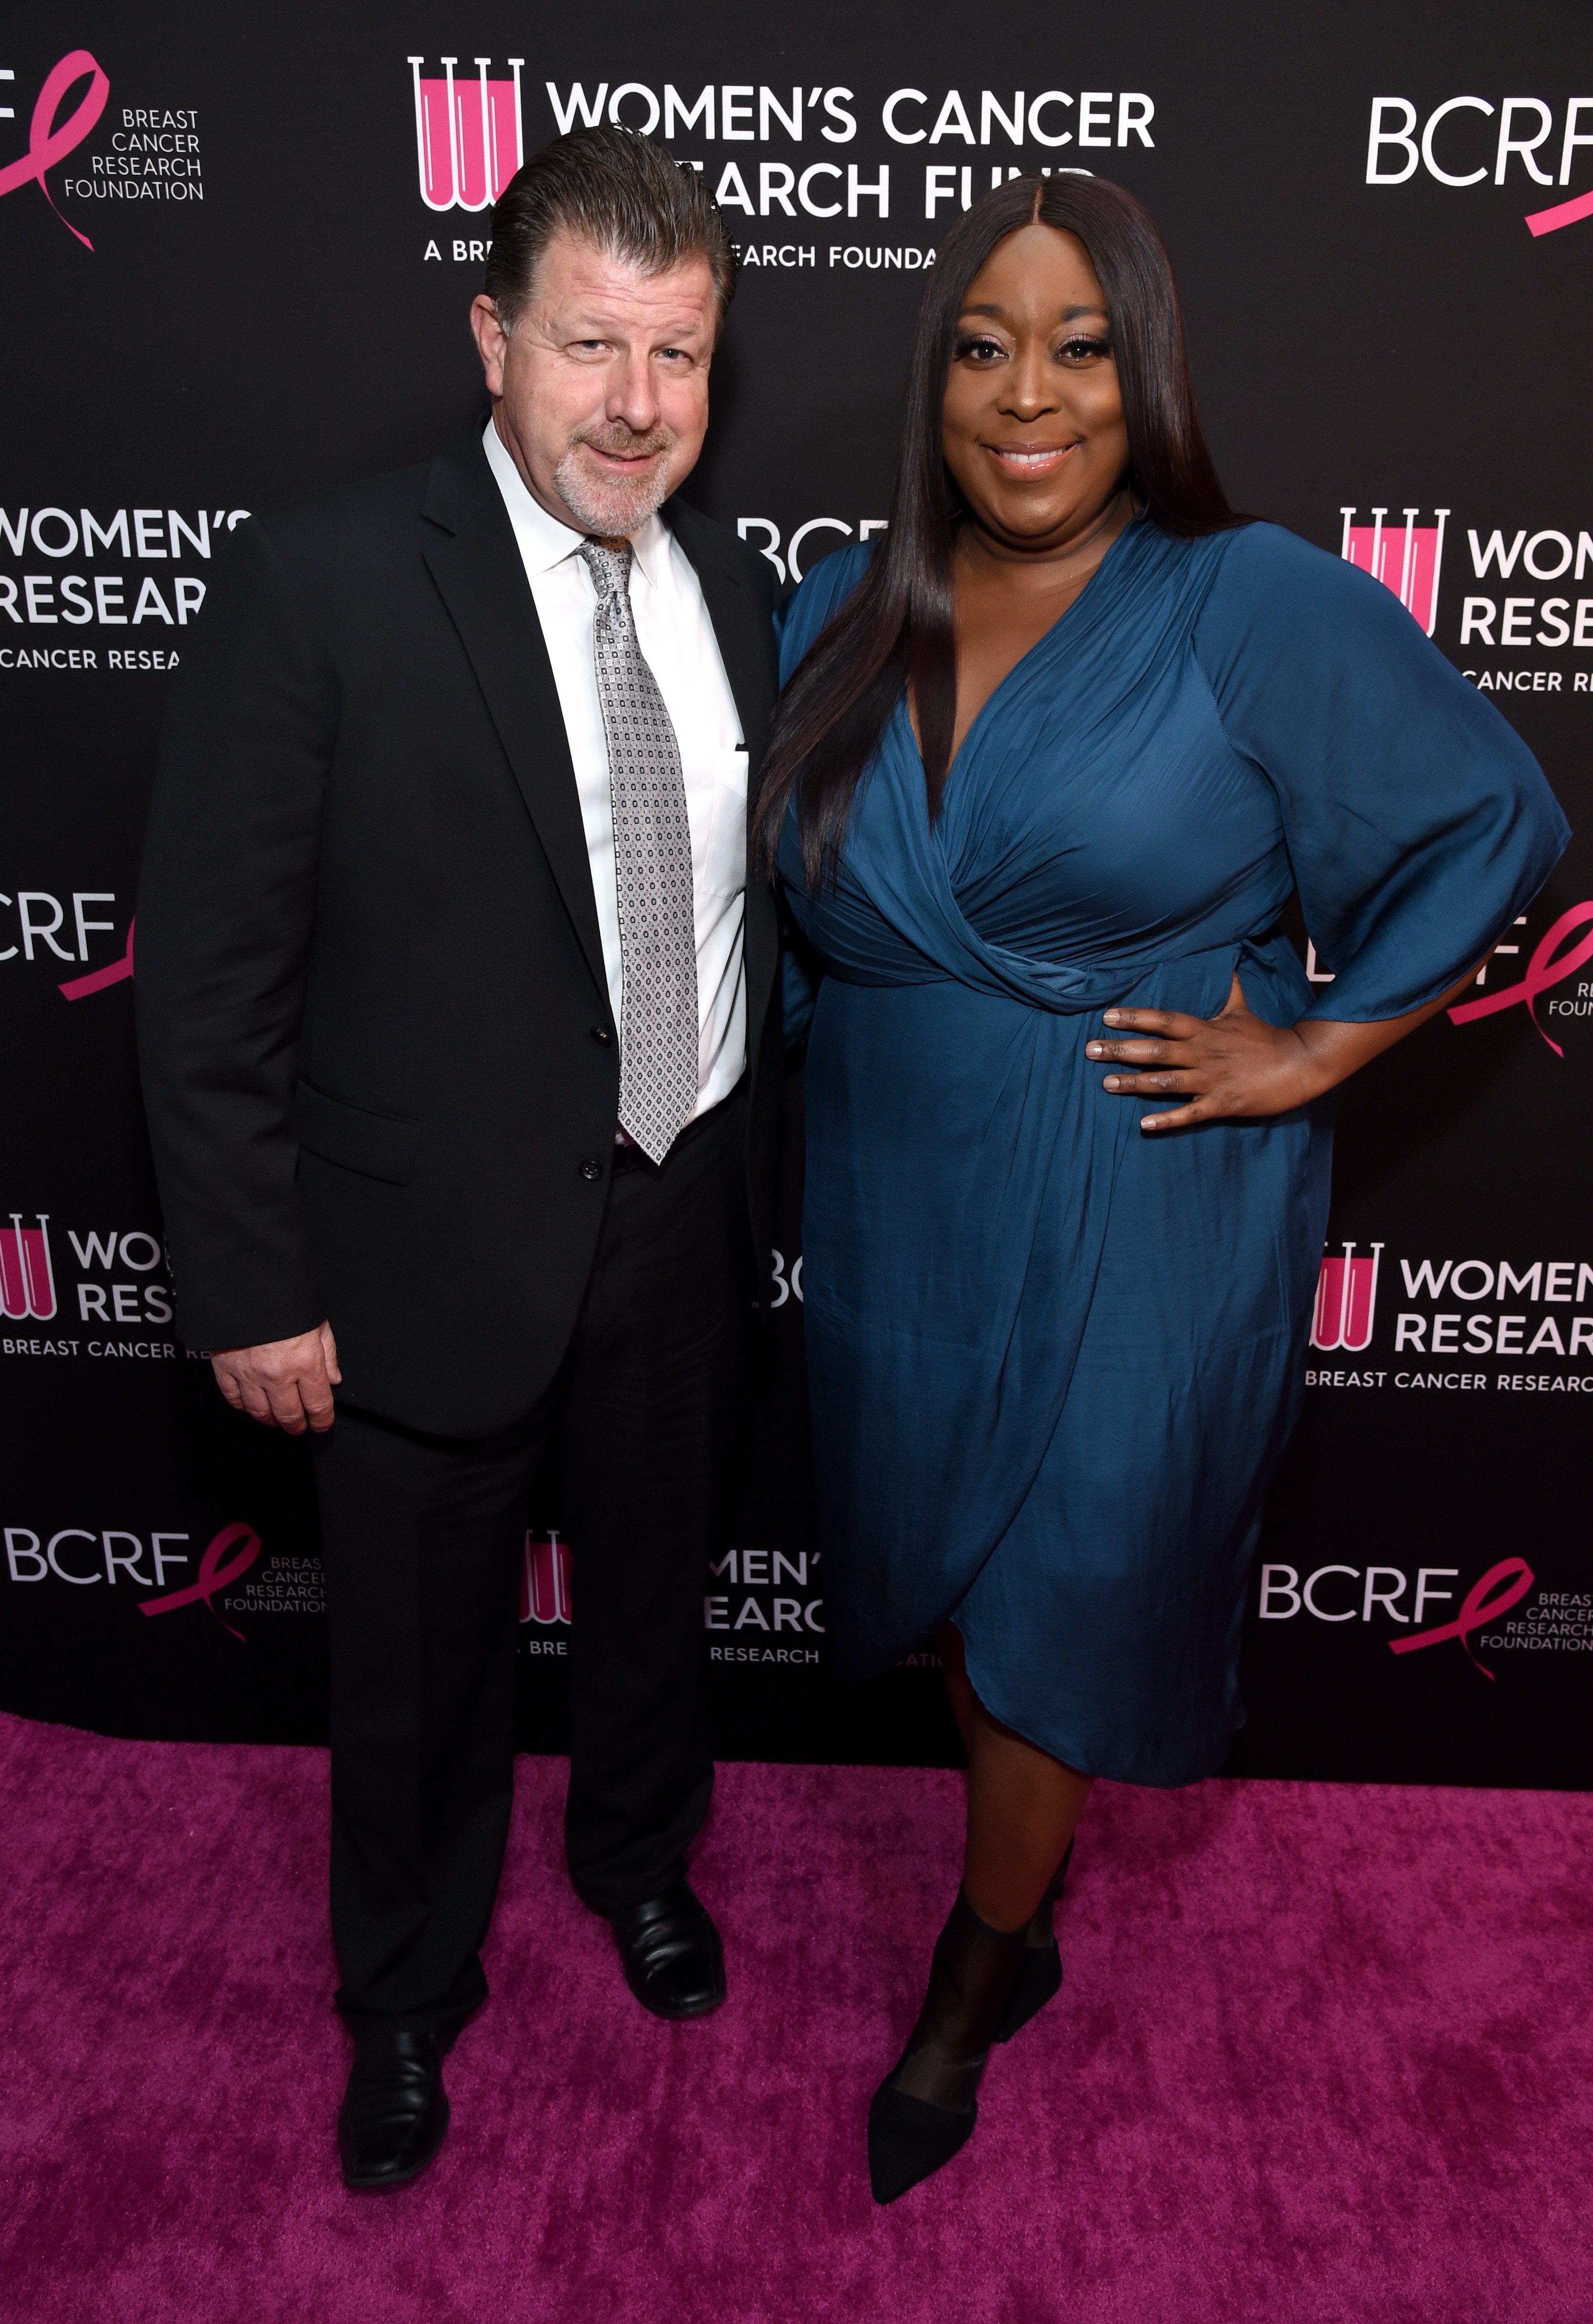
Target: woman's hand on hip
1236, 1066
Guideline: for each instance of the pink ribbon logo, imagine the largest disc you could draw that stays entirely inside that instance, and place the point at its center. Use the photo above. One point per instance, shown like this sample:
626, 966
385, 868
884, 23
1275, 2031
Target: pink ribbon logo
215, 1573
1515, 1577
48, 143
1542, 969
78, 988
1550, 221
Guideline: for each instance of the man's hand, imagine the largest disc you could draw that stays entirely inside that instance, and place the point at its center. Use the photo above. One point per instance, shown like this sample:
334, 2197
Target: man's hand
1235, 1066
285, 1383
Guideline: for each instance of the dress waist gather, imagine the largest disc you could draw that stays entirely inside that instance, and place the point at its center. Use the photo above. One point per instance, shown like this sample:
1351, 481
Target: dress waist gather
1060, 988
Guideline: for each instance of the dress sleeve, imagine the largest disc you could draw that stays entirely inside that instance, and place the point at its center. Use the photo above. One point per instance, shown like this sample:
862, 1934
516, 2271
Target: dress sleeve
821, 596
801, 974
1418, 823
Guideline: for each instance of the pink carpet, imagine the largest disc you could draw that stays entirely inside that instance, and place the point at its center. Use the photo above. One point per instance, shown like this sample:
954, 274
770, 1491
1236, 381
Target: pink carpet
1324, 2057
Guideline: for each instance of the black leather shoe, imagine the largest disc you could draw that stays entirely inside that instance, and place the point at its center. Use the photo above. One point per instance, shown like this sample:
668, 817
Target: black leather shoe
674, 1960
395, 2110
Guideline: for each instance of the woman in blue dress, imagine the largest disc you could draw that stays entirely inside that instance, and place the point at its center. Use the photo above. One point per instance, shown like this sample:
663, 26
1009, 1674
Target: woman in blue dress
1050, 762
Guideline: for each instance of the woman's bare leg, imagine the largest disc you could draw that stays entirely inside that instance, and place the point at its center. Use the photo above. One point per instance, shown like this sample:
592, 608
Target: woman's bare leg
1022, 1805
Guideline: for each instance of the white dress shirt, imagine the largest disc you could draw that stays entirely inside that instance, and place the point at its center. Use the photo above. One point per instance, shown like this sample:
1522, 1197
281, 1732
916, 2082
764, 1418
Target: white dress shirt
677, 637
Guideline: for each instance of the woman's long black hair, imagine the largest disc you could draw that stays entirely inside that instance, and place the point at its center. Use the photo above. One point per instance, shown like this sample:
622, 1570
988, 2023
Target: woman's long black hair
896, 628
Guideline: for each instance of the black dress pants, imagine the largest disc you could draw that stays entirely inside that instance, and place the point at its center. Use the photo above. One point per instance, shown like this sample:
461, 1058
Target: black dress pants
642, 1430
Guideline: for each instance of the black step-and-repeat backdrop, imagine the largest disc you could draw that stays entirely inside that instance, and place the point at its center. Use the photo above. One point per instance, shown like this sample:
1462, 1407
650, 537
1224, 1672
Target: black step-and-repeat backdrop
238, 249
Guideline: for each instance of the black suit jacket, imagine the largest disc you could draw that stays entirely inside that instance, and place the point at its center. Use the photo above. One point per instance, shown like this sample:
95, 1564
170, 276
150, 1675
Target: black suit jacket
379, 1061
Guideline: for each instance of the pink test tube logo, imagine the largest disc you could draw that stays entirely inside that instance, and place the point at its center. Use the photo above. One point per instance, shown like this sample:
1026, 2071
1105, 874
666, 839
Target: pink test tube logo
1405, 555
1346, 1301
545, 1581
27, 1285
468, 137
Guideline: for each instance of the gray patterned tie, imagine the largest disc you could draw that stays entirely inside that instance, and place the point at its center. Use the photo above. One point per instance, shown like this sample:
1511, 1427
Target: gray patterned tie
653, 871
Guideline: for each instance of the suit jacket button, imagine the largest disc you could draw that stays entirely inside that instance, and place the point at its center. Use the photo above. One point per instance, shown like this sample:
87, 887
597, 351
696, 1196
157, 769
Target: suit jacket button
591, 1169
602, 1035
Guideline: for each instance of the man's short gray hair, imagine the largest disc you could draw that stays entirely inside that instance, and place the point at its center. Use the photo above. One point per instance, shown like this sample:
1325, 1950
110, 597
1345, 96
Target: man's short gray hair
616, 190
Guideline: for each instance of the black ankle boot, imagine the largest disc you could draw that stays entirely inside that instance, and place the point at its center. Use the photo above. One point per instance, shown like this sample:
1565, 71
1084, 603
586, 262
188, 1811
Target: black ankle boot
1040, 1976
925, 2109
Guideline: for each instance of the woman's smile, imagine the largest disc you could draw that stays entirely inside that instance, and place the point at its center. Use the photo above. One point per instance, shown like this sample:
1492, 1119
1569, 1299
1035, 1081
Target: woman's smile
1031, 459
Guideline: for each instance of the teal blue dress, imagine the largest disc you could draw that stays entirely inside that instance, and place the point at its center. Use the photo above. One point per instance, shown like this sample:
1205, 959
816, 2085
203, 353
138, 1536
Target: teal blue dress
1053, 1360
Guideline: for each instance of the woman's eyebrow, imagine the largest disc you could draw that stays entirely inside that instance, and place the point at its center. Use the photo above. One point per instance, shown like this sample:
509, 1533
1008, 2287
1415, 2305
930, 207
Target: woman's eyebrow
1069, 313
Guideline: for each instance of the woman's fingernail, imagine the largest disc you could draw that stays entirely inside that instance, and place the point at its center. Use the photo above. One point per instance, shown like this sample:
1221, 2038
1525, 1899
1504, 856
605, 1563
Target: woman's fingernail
1093, 1048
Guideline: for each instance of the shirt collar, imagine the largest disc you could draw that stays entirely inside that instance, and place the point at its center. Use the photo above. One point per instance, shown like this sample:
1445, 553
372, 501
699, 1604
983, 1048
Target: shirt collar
544, 541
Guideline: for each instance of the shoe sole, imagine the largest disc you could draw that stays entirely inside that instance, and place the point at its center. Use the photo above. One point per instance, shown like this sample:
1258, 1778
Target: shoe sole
676, 2016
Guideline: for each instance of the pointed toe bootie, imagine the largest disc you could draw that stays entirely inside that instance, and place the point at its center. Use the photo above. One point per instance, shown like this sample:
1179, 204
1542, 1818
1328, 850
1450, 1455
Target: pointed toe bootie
1039, 1977
924, 2111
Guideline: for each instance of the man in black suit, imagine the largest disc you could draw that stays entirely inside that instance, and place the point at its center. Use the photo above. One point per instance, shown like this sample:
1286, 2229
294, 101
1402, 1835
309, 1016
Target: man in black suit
458, 1036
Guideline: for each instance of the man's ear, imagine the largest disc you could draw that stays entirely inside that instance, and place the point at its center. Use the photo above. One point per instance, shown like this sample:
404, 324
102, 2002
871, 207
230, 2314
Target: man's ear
491, 341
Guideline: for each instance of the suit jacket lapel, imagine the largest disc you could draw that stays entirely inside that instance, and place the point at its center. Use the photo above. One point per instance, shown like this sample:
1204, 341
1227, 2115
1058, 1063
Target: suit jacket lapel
745, 636
470, 548
741, 625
